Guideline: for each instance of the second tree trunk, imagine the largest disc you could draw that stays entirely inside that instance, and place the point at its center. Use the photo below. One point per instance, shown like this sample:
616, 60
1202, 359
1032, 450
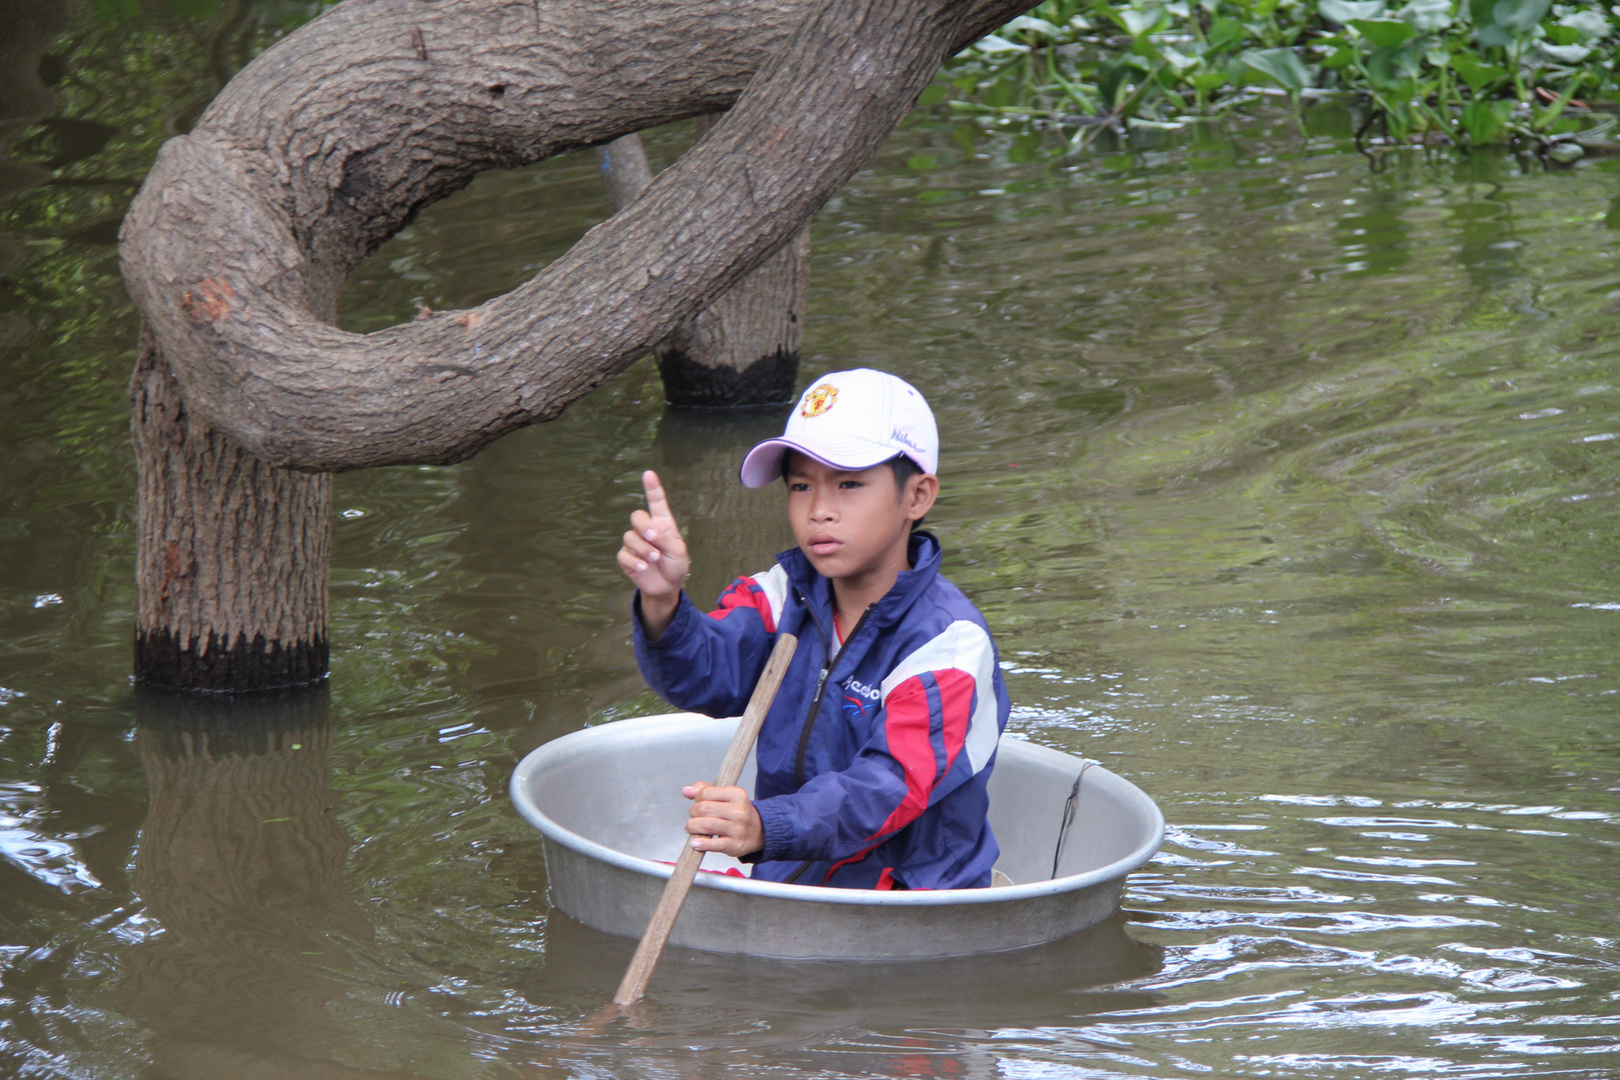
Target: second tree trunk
744, 349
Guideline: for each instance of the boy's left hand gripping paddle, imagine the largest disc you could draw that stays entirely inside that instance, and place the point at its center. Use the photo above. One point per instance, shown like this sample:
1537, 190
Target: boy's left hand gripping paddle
653, 941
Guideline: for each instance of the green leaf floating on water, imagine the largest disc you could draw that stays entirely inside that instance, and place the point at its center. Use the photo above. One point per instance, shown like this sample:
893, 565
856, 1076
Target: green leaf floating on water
1562, 35
1565, 54
1389, 69
1501, 22
1429, 16
990, 44
1031, 24
1343, 11
1225, 32
1111, 81
1486, 121
1385, 33
1279, 65
1343, 52
1137, 23
1587, 23
1476, 74
1177, 60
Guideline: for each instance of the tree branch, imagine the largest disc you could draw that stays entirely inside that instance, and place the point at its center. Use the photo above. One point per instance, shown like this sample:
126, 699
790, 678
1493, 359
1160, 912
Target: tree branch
237, 245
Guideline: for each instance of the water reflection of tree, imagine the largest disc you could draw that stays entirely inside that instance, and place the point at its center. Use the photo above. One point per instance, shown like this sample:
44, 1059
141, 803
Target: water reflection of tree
1375, 238
1482, 220
240, 863
730, 529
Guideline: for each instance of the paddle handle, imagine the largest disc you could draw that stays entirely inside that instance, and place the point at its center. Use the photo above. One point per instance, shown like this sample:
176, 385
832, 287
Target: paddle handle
651, 949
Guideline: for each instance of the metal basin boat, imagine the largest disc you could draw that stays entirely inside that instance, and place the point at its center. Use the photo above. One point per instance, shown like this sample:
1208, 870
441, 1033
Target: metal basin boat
608, 806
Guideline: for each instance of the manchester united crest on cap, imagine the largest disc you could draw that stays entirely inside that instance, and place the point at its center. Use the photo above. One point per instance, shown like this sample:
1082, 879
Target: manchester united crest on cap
818, 401
879, 416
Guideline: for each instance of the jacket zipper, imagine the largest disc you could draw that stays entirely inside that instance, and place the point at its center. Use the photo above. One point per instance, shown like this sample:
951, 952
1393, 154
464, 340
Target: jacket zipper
815, 706
815, 702
821, 687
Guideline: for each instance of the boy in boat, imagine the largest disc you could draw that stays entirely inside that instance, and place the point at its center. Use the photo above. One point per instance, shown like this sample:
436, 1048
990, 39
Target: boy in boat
874, 758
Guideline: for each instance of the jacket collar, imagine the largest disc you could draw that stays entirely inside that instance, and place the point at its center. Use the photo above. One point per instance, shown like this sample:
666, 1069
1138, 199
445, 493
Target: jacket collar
924, 553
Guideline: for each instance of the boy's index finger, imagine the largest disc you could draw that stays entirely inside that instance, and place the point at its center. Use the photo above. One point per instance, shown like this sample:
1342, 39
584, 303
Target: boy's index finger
657, 502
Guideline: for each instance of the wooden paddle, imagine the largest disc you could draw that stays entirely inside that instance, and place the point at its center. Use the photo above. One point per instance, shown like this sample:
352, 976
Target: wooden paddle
653, 941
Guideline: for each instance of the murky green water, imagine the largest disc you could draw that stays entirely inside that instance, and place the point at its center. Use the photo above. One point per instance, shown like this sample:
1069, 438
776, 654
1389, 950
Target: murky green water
1290, 489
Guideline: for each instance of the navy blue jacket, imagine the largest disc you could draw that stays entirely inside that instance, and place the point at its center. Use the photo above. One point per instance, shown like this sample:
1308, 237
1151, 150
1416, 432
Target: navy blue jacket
873, 760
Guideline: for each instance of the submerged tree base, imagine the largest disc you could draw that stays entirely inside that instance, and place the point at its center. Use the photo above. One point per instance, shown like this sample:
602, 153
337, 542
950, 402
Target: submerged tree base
163, 659
689, 384
231, 553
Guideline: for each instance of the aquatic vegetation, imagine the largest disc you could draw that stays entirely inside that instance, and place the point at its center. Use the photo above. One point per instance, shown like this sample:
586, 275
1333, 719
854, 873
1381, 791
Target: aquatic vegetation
1468, 73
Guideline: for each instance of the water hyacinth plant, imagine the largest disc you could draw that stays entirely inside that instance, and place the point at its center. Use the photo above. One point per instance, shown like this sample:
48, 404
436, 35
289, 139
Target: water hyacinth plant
1466, 72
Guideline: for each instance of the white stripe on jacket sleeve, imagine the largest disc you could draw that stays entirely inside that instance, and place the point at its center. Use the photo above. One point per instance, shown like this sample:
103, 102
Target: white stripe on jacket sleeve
965, 646
774, 584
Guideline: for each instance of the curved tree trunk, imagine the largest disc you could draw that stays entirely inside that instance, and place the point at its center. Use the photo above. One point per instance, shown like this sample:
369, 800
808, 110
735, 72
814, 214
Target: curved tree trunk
239, 242
743, 351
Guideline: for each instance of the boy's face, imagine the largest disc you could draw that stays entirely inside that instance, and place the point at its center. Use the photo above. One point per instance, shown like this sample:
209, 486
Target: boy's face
849, 524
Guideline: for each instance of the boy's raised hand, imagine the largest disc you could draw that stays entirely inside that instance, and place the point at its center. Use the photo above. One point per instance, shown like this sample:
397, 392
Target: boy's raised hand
654, 558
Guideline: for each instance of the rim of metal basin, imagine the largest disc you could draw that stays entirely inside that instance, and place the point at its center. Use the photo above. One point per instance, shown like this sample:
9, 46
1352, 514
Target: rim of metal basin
546, 754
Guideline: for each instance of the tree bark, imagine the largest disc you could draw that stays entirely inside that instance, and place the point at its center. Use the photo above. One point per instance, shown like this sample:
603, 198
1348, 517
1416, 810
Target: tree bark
743, 352
239, 242
328, 143
231, 554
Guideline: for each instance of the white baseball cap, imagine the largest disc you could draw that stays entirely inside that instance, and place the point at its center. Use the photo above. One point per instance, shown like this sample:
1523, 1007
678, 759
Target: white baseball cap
851, 420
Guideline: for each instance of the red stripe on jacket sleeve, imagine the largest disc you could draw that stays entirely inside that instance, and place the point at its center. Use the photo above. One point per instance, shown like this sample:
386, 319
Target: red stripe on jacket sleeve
746, 593
956, 700
908, 727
